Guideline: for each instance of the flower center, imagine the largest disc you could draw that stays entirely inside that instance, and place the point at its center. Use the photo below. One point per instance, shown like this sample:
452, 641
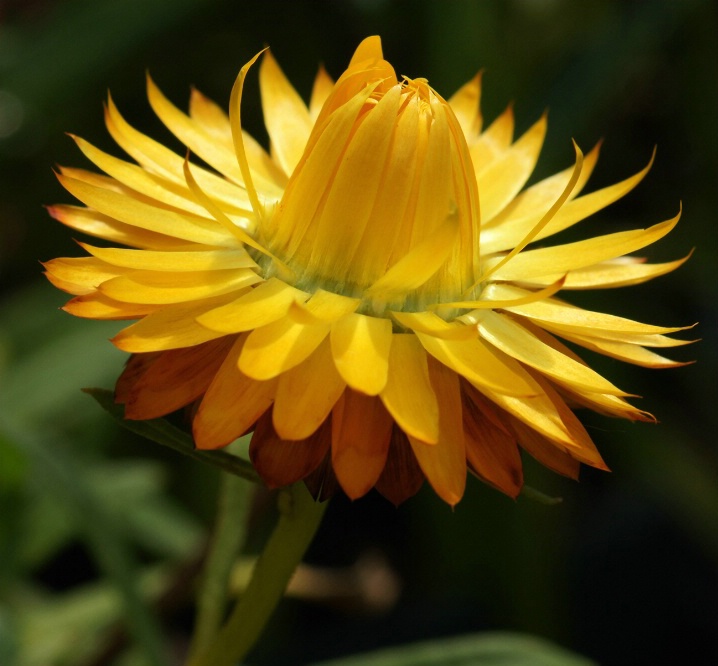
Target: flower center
383, 205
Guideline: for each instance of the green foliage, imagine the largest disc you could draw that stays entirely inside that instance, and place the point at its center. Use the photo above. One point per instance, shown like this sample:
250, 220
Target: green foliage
488, 649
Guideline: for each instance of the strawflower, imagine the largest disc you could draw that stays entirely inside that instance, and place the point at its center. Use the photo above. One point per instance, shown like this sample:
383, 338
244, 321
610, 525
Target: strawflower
373, 298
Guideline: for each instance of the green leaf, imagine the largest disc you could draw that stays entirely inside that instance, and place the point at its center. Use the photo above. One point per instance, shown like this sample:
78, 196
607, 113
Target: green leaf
537, 496
487, 649
163, 432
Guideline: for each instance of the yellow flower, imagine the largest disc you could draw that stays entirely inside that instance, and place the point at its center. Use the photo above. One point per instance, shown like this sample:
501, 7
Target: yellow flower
361, 297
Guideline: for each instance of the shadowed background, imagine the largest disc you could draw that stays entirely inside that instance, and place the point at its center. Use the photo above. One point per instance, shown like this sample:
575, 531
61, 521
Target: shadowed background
623, 571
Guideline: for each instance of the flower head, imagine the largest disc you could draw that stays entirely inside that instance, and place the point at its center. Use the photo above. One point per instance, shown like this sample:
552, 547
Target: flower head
367, 297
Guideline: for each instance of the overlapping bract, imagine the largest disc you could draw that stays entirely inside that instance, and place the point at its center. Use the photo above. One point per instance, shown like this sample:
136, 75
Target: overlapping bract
365, 297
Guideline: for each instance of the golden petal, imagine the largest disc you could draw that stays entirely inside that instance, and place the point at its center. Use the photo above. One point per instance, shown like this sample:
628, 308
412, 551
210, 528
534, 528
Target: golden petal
444, 463
493, 141
360, 346
232, 403
503, 178
92, 223
466, 105
286, 117
166, 288
277, 347
200, 259
569, 256
266, 303
408, 395
306, 395
513, 339
169, 327
184, 226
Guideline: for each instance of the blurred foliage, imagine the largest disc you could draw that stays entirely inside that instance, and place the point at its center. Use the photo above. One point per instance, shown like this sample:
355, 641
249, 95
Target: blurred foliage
101, 531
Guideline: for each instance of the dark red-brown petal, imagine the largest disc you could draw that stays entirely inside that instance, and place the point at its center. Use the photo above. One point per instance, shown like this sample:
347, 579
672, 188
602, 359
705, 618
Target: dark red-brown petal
175, 379
281, 462
491, 449
402, 477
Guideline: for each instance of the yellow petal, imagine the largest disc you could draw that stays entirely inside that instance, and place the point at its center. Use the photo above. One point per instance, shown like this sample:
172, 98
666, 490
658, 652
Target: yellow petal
466, 105
504, 177
92, 223
494, 141
623, 351
170, 327
363, 161
266, 303
279, 346
215, 122
201, 259
620, 272
285, 115
156, 287
513, 339
431, 324
323, 307
474, 360
369, 49
85, 274
520, 219
360, 346
232, 404
415, 268
180, 225
321, 90
570, 317
306, 188
361, 432
160, 160
306, 395
192, 135
564, 258
444, 464
536, 410
408, 395
97, 306
163, 191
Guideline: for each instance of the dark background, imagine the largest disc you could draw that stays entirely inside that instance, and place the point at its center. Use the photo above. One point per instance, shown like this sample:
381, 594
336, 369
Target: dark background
624, 570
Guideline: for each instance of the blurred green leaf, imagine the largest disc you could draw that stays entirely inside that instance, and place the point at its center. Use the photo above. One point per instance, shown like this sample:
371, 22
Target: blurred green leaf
163, 432
69, 627
64, 480
488, 649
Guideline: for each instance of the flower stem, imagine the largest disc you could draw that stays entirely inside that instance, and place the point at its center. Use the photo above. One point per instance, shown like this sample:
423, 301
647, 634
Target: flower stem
299, 519
228, 538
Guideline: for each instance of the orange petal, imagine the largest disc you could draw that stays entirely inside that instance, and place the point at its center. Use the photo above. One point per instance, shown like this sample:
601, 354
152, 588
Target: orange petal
306, 395
361, 431
232, 404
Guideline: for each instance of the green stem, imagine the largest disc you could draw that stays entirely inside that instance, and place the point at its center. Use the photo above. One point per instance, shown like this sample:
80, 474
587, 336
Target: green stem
228, 538
299, 519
